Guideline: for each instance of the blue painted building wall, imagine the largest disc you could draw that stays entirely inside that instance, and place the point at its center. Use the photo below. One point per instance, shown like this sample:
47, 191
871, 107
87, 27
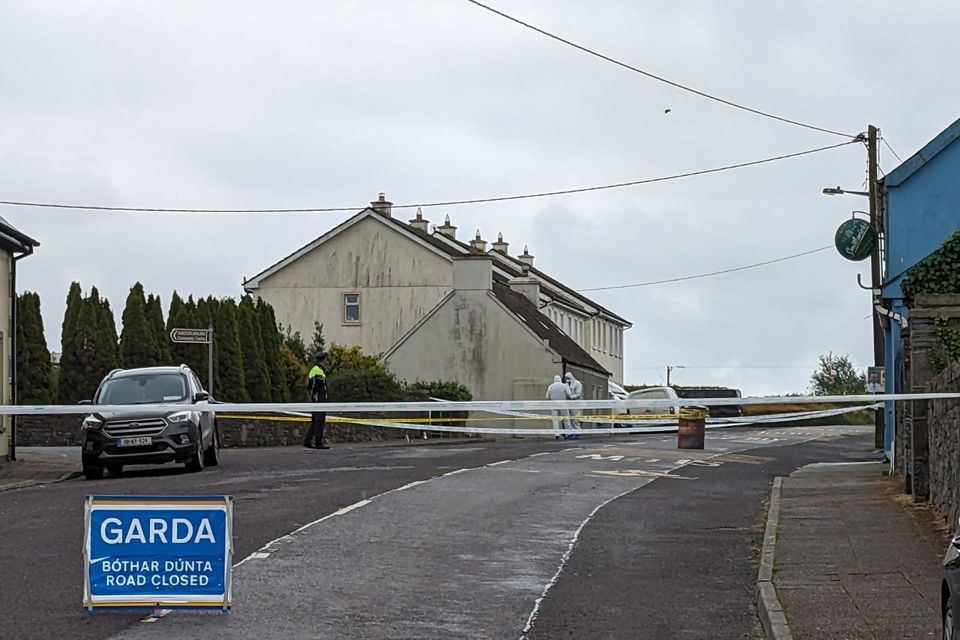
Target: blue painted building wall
921, 201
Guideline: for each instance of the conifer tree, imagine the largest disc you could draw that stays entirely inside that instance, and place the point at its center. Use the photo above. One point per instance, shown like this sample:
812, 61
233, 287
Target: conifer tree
70, 366
138, 343
90, 350
251, 347
33, 357
108, 324
272, 342
229, 358
99, 348
158, 329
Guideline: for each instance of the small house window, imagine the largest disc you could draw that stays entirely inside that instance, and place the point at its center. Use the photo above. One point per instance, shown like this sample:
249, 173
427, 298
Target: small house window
351, 307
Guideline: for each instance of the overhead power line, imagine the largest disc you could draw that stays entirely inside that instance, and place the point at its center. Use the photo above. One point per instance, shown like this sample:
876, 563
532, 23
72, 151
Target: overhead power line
707, 275
653, 76
897, 155
448, 203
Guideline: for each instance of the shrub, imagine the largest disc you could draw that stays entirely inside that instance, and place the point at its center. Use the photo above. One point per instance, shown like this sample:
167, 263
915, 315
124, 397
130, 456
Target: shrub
453, 391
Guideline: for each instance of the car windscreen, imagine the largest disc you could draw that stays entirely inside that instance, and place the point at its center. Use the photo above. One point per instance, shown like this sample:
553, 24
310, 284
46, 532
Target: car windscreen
145, 389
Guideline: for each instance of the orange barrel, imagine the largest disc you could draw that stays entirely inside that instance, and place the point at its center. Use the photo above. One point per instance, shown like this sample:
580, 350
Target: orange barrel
691, 429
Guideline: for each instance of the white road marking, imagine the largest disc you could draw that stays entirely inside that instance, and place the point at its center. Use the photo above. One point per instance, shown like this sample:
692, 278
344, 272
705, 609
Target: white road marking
453, 473
563, 562
156, 615
639, 473
410, 485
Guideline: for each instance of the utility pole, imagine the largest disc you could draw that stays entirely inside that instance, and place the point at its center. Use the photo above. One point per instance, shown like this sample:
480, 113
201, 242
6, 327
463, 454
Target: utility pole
877, 223
669, 369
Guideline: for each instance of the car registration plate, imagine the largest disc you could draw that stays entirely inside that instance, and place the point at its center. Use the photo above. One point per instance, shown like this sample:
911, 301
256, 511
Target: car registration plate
134, 442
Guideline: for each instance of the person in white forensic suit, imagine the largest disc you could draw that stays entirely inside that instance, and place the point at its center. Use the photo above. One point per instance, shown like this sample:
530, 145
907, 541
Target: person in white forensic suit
575, 388
559, 391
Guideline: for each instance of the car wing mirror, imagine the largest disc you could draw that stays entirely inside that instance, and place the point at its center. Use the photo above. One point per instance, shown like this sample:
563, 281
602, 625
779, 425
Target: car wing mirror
85, 402
201, 396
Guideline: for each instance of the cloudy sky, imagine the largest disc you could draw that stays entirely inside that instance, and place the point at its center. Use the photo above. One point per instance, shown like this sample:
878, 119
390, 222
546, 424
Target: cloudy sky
236, 104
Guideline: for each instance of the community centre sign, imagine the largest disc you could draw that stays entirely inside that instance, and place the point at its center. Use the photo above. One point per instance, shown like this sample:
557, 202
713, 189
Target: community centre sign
158, 552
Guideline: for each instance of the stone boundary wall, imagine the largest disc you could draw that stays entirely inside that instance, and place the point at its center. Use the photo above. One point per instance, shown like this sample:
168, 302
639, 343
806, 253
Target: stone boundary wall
64, 431
943, 420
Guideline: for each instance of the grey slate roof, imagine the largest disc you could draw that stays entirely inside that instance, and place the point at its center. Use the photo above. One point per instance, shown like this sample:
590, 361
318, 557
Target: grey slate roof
545, 329
22, 242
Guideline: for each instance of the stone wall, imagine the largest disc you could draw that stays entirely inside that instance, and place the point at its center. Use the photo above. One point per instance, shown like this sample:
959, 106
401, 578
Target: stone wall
944, 435
63, 431
914, 445
48, 431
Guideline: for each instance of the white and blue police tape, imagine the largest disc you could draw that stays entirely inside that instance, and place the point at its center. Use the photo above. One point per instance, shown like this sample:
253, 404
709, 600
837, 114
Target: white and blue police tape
474, 405
653, 426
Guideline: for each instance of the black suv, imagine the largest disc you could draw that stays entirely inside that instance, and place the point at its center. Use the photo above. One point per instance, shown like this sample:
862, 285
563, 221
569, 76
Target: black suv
113, 439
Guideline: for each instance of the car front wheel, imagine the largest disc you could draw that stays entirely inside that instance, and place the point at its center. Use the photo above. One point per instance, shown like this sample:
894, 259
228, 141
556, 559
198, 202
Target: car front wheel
196, 462
92, 472
212, 455
950, 630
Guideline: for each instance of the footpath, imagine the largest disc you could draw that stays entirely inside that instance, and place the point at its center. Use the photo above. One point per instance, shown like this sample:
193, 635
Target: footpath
848, 556
39, 465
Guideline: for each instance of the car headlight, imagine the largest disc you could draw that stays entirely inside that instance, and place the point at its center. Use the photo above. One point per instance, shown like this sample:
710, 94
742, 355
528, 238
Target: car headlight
91, 422
182, 416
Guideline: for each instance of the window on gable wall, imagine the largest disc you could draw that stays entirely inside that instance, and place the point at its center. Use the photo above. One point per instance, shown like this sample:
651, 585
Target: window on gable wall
351, 308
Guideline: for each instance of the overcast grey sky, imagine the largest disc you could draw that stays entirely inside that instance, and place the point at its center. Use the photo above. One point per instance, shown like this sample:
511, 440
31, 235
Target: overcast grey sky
308, 104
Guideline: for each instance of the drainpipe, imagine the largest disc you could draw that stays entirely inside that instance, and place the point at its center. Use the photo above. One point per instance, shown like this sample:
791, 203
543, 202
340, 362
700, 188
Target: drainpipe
13, 348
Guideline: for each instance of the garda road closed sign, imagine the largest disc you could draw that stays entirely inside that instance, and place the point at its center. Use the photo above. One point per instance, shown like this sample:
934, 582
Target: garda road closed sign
158, 552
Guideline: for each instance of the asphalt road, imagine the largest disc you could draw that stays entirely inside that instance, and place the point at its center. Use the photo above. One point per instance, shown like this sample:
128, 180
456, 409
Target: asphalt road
663, 540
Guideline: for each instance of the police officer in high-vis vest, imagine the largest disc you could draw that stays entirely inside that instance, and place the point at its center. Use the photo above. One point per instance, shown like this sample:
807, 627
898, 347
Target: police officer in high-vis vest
317, 381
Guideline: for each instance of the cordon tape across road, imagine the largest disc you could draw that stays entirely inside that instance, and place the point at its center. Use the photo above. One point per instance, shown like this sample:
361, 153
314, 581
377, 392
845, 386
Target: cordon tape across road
494, 406
516, 410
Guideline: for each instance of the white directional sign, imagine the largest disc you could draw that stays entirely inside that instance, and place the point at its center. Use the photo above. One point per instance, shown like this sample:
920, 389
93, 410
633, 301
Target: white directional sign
190, 336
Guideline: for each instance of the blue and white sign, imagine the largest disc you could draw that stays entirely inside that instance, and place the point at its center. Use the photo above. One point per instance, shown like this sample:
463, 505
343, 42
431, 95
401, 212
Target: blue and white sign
158, 552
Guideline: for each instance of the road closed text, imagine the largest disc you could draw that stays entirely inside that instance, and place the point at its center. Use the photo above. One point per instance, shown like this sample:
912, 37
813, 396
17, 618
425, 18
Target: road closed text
157, 573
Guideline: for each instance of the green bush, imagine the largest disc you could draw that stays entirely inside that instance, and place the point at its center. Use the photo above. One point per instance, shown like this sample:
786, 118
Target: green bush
453, 391
371, 384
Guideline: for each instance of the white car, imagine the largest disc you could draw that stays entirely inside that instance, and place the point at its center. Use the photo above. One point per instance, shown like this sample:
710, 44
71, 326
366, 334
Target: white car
651, 393
616, 391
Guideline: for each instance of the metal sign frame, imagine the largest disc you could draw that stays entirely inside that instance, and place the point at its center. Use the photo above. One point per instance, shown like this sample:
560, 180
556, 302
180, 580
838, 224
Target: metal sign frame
220, 601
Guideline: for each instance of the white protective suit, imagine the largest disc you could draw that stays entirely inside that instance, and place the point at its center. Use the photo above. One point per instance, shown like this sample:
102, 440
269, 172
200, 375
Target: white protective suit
559, 391
575, 388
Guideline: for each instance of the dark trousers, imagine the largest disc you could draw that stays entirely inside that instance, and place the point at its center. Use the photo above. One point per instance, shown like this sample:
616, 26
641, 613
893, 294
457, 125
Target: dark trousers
314, 435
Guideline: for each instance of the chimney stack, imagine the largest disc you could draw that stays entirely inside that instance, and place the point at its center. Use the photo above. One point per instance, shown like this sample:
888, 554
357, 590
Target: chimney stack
473, 273
527, 287
478, 244
447, 229
500, 246
525, 257
420, 223
381, 205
